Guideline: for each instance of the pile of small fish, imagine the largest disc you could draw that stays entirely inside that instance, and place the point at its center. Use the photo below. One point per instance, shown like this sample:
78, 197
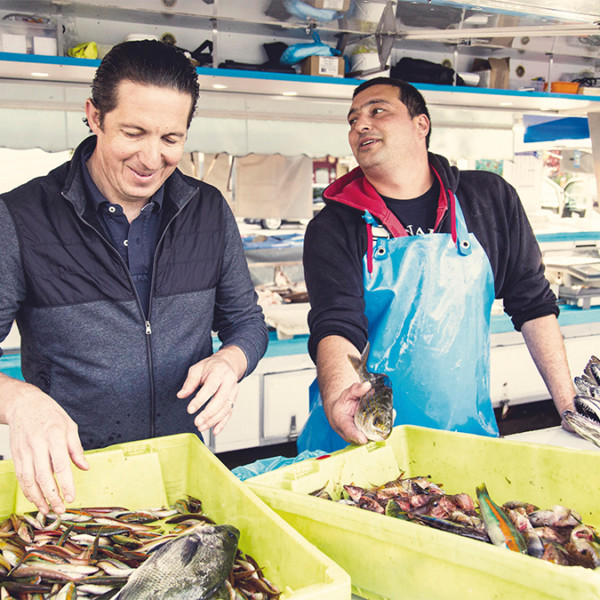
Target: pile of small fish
112, 552
585, 419
556, 535
375, 413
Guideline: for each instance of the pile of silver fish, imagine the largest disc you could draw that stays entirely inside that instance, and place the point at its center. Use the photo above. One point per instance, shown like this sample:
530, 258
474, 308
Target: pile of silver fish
375, 413
556, 535
114, 553
585, 419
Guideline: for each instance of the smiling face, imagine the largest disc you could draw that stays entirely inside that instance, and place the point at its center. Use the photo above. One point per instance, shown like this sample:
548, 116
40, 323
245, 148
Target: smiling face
382, 133
139, 143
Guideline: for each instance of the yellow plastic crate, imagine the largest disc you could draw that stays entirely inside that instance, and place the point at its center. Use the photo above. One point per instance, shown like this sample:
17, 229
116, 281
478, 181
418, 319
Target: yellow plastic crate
157, 472
392, 559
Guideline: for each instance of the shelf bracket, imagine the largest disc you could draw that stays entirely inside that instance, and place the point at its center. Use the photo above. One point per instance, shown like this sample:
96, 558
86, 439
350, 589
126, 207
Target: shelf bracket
386, 33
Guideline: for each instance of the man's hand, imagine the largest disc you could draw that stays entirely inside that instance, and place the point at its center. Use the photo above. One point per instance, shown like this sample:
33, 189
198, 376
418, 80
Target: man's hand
340, 391
43, 440
340, 413
215, 381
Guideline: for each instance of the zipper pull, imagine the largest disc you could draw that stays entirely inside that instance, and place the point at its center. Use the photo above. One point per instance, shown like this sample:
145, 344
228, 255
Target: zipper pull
148, 328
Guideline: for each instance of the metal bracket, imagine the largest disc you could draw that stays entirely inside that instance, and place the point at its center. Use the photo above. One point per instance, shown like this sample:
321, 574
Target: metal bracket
386, 33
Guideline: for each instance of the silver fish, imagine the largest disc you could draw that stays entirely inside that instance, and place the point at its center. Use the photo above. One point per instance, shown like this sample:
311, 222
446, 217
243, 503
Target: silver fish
375, 413
587, 406
584, 386
585, 427
193, 566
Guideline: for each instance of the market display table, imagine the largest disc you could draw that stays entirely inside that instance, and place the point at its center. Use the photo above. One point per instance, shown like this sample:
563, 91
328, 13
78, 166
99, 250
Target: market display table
554, 436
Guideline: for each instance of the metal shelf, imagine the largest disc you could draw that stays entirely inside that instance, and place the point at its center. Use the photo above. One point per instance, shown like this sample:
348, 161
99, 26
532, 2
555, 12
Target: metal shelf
76, 74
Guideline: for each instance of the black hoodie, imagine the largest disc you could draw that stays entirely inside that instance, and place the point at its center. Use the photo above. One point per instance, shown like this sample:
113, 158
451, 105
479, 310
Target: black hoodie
336, 242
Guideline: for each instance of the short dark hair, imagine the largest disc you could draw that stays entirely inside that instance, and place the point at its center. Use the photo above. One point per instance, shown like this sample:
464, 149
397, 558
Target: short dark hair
149, 62
409, 96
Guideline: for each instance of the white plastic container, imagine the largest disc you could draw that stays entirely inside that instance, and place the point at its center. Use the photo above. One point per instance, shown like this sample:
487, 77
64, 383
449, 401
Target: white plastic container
28, 37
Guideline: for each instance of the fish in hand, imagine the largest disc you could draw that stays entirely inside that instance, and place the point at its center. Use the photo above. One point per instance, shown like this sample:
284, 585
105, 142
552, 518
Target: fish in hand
193, 566
375, 413
585, 419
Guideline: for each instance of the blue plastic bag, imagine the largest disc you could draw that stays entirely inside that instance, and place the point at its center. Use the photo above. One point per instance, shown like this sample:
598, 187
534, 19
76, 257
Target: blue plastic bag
303, 11
298, 52
270, 464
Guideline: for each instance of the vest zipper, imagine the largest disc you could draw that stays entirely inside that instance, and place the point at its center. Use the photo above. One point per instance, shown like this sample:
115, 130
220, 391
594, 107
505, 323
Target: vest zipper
147, 327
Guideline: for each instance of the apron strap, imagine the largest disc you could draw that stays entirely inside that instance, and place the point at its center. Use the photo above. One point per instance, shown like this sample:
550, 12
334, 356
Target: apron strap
458, 227
369, 221
463, 243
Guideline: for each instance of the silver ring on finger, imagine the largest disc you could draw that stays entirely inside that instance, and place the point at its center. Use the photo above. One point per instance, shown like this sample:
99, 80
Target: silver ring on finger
230, 403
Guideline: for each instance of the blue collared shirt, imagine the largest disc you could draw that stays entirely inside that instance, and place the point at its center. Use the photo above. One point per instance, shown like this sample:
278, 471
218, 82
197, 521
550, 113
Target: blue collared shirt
136, 241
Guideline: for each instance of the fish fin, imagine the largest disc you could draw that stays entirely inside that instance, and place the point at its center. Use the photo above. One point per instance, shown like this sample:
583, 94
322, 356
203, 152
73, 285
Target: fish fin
360, 365
595, 371
365, 353
592, 371
355, 362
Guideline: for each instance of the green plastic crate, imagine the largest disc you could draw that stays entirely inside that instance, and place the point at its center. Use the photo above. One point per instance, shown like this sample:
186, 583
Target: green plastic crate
157, 472
392, 559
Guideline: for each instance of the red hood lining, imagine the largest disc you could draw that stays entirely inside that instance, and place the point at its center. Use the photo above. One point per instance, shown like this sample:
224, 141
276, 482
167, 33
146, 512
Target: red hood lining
353, 189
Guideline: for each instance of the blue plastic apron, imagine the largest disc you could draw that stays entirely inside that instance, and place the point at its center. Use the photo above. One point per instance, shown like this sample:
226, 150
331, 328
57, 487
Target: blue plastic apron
428, 303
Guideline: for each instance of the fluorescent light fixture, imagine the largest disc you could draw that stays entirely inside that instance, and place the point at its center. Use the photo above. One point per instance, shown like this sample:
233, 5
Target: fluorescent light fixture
219, 86
40, 74
289, 93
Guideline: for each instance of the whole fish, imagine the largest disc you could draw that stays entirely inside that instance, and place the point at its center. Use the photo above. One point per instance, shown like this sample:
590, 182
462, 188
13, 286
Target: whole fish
393, 509
587, 406
375, 413
192, 566
587, 428
499, 527
582, 539
584, 386
535, 546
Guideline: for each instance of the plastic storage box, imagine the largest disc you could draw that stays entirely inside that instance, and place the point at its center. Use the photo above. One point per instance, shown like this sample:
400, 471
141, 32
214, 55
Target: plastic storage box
154, 473
394, 559
28, 37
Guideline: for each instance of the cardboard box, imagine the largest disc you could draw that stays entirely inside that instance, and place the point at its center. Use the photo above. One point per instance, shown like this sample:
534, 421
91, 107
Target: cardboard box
324, 66
495, 72
339, 5
154, 473
415, 561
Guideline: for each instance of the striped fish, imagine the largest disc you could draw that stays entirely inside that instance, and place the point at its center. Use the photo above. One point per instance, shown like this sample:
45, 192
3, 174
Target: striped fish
499, 527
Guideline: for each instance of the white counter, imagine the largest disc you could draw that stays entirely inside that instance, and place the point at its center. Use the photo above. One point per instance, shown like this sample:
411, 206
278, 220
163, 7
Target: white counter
554, 436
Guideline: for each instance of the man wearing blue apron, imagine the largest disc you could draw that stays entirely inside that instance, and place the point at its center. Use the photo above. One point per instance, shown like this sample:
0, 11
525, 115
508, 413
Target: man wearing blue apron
409, 254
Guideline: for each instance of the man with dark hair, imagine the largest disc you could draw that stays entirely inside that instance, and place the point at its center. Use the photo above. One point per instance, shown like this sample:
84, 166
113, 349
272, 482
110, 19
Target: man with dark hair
409, 254
117, 269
